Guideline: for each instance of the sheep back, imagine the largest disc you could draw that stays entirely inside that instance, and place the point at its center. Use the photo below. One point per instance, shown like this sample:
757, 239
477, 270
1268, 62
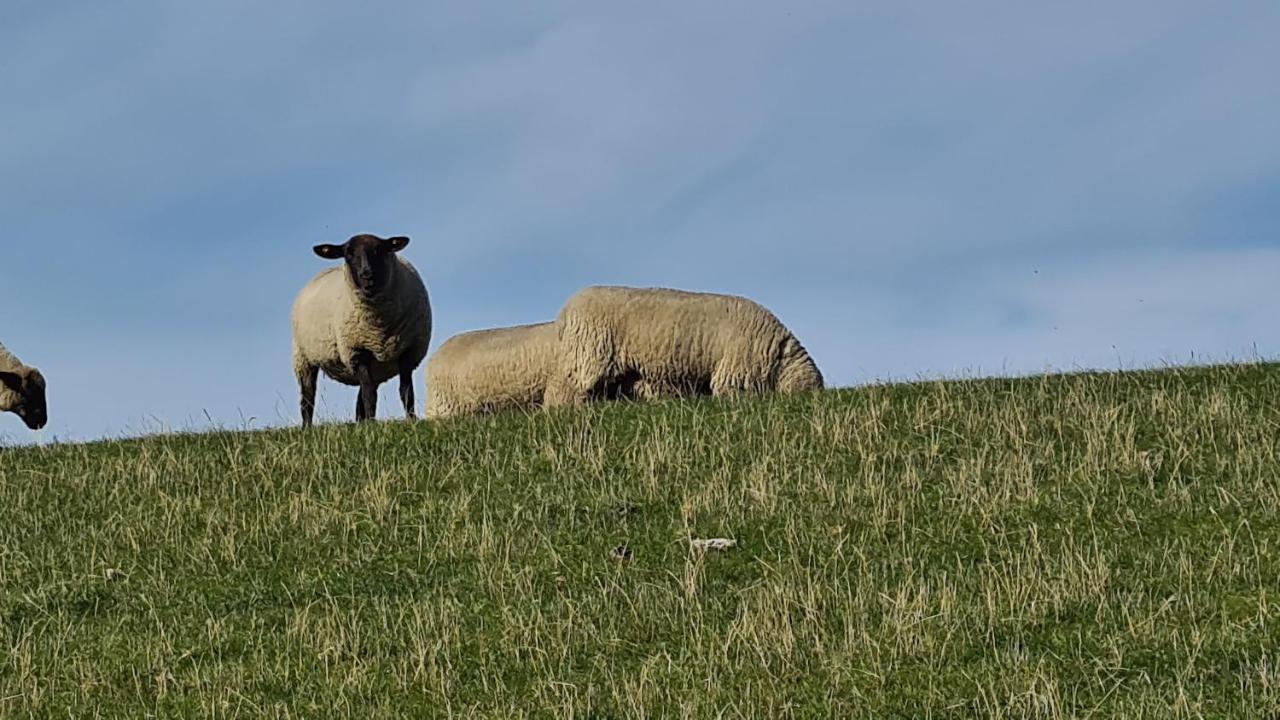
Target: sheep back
492, 370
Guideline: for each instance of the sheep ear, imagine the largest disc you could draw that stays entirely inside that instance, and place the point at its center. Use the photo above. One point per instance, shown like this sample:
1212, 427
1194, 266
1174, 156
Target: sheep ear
397, 243
11, 381
329, 252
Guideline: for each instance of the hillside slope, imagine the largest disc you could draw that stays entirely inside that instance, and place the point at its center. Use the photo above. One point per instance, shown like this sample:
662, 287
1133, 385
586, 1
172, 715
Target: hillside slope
1047, 547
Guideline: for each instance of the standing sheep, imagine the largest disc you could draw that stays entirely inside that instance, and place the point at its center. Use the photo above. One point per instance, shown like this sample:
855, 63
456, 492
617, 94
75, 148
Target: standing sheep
22, 391
655, 342
362, 323
491, 370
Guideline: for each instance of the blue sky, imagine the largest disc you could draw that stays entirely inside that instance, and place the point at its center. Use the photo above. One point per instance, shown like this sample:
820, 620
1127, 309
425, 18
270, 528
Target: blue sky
917, 190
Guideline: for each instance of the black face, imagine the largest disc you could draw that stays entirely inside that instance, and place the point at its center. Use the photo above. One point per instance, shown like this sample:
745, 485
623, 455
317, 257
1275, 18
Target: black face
368, 259
29, 388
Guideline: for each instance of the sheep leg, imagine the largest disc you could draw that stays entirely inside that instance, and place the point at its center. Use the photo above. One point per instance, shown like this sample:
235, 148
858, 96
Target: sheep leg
307, 376
406, 388
724, 383
367, 400
367, 403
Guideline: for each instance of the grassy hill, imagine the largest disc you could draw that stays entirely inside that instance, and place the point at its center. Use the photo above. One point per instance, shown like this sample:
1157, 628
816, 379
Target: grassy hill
1087, 545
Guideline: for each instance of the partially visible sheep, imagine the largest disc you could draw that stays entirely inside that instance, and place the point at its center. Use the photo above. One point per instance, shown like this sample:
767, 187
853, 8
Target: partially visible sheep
362, 324
22, 391
488, 371
654, 342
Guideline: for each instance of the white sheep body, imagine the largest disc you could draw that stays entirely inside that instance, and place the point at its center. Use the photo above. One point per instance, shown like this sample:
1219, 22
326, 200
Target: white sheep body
657, 342
8, 361
331, 323
491, 370
11, 364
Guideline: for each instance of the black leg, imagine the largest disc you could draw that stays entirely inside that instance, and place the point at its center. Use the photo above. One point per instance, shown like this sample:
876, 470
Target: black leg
370, 394
307, 387
367, 401
406, 389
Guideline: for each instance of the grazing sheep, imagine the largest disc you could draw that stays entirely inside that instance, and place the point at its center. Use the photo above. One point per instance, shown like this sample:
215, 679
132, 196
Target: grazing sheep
22, 391
654, 342
491, 370
362, 323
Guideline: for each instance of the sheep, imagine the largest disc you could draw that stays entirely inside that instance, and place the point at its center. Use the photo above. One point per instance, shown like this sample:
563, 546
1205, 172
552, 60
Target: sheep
362, 323
493, 370
648, 343
22, 391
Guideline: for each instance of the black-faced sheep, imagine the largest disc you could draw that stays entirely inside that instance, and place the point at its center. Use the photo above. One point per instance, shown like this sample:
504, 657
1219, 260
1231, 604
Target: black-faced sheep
362, 323
22, 391
654, 342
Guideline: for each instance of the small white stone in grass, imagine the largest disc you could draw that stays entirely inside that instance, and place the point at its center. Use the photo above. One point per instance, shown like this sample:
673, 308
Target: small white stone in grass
717, 544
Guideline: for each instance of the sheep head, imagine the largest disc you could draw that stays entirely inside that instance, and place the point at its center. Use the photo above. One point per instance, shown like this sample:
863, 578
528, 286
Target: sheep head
26, 391
368, 258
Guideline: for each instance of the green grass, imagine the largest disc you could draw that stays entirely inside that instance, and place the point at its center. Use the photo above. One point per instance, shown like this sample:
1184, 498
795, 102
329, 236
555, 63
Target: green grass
1071, 546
